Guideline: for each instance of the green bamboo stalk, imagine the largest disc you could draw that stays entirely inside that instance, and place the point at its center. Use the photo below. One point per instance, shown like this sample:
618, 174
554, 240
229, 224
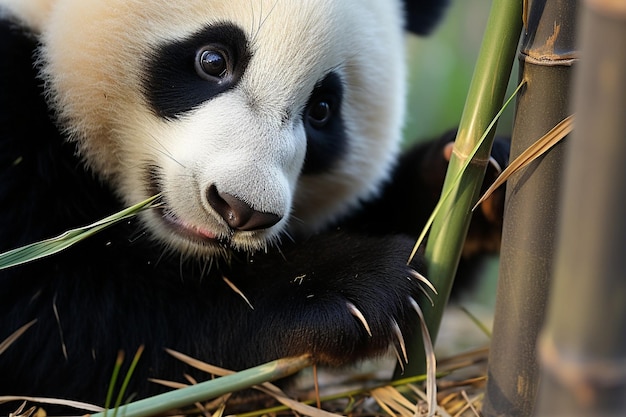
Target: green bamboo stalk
205, 391
582, 349
531, 210
484, 100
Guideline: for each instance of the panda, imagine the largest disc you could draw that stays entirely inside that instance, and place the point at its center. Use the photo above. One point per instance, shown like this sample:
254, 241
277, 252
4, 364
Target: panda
270, 131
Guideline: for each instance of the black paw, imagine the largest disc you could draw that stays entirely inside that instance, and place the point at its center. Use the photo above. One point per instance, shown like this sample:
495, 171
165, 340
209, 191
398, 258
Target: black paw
339, 297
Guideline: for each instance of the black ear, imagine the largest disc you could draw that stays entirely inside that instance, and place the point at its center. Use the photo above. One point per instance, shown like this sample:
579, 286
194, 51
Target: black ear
423, 15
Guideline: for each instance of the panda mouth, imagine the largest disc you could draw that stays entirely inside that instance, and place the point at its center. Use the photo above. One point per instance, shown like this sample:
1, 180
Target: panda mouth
174, 223
187, 230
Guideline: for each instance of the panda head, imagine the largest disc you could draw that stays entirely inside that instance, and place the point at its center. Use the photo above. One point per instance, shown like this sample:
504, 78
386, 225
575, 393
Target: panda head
252, 118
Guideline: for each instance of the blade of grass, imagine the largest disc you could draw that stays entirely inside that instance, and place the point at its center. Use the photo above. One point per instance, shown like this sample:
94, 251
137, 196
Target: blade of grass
57, 244
477, 322
116, 371
129, 374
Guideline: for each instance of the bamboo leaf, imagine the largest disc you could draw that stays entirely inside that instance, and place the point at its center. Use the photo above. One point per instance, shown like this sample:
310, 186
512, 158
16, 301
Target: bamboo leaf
59, 243
200, 365
543, 145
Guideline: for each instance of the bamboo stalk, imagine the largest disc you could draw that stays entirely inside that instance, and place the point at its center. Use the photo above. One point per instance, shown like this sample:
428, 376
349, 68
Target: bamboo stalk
485, 97
531, 210
205, 391
583, 347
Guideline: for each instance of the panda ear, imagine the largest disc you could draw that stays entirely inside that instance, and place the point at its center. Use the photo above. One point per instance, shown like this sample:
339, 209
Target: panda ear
423, 15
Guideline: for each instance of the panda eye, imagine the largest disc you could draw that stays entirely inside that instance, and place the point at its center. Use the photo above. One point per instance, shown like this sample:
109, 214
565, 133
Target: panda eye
212, 63
319, 113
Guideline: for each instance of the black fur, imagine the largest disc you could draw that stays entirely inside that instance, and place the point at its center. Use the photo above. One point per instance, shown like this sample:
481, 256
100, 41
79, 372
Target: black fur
172, 84
423, 15
119, 290
327, 142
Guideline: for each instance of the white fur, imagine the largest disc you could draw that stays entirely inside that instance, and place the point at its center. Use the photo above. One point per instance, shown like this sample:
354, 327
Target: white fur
92, 57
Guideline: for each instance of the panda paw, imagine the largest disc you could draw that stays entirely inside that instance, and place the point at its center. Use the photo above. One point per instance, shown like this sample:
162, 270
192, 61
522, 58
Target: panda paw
346, 298
398, 344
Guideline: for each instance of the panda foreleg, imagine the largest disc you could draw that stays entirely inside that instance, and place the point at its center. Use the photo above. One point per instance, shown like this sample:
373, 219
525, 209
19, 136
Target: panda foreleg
338, 296
409, 197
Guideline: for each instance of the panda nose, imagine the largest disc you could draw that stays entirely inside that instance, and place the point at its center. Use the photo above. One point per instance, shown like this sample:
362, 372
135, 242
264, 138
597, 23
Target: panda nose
237, 213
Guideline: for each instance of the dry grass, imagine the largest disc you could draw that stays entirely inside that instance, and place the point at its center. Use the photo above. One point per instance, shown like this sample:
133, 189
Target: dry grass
364, 392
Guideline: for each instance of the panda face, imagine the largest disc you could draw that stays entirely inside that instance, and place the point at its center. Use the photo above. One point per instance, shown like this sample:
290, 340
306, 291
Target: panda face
252, 119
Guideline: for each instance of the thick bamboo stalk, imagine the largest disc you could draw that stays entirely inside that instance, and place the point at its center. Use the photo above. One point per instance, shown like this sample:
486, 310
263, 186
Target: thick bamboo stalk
485, 97
531, 210
583, 347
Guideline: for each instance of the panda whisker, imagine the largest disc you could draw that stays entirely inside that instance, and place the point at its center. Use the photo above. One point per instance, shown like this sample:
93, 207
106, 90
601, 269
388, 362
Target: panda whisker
276, 243
181, 263
296, 218
282, 254
252, 24
164, 252
163, 150
291, 238
206, 267
254, 27
278, 240
264, 19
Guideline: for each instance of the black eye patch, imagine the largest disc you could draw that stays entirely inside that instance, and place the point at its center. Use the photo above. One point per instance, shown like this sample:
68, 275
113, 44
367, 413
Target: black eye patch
325, 130
181, 75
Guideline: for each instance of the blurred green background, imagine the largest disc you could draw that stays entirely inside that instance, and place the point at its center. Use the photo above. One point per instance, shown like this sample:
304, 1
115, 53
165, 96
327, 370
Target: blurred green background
441, 67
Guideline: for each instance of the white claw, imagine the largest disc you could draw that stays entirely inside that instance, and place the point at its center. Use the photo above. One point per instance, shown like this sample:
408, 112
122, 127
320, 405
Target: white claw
421, 278
432, 303
357, 313
398, 332
415, 306
400, 361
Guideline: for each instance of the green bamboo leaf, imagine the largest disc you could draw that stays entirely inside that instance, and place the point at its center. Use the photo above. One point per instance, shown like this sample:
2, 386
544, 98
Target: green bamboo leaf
56, 244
